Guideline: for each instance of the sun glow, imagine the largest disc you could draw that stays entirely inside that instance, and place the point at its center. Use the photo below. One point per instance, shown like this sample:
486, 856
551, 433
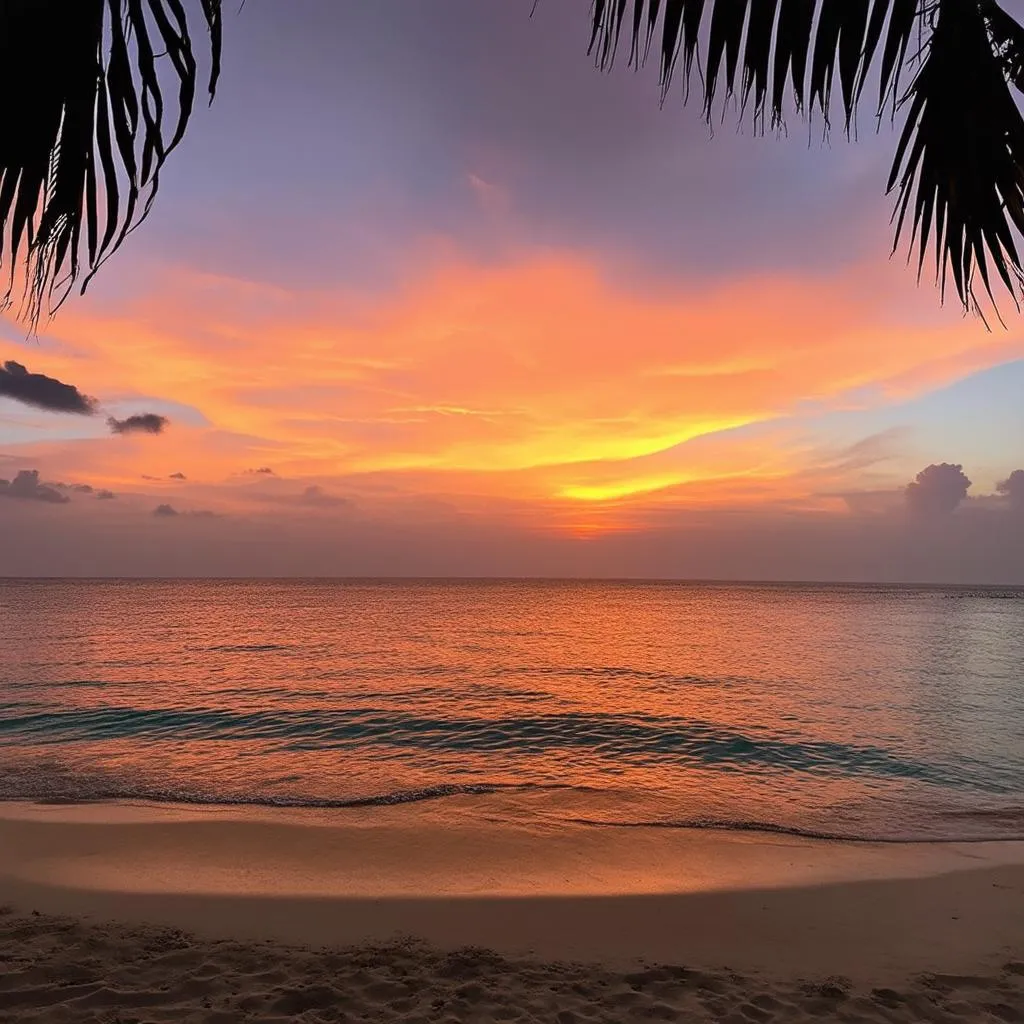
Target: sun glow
521, 385
622, 489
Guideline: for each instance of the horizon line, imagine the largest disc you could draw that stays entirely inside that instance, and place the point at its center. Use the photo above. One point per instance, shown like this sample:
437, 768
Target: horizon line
484, 578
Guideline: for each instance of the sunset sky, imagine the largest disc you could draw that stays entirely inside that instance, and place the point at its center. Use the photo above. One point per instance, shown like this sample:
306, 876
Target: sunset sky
425, 293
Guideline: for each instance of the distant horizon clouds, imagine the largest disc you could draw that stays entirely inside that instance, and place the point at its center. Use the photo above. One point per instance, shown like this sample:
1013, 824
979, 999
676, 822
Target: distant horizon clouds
1012, 488
26, 487
938, 489
141, 423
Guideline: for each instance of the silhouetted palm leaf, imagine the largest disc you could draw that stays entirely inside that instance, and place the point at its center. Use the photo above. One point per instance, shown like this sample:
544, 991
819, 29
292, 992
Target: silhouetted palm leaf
959, 167
98, 93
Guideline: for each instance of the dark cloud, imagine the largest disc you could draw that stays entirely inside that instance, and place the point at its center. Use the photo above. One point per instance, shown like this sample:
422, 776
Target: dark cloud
170, 512
27, 487
316, 497
102, 494
938, 489
262, 471
177, 476
1012, 488
42, 392
143, 423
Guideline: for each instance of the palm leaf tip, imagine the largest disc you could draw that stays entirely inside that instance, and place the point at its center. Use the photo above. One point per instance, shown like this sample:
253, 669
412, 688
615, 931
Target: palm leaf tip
958, 174
959, 167
82, 150
767, 53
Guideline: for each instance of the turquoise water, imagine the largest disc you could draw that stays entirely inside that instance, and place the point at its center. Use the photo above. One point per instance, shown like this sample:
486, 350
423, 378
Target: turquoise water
858, 712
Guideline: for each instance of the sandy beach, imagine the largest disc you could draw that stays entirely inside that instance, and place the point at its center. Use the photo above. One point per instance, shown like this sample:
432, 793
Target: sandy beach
136, 913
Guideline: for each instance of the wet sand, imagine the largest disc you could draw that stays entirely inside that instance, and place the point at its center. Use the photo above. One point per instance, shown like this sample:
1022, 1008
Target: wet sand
165, 914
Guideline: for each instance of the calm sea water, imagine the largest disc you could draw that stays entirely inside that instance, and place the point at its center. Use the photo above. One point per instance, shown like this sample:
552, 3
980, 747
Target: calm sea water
888, 713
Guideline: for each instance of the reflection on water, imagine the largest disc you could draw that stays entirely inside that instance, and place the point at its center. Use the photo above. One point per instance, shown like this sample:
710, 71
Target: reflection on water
880, 712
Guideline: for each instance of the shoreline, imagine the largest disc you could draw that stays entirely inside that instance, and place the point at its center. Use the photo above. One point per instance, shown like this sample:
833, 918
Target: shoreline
259, 807
761, 902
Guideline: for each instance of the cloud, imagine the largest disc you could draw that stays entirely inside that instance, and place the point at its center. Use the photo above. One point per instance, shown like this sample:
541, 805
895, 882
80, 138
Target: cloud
42, 392
143, 423
516, 386
938, 489
102, 494
177, 476
873, 503
170, 512
262, 471
1012, 488
27, 487
313, 496
316, 497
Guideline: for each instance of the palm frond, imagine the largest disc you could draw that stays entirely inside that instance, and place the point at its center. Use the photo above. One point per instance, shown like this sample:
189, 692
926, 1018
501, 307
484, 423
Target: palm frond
763, 51
1008, 40
959, 167
99, 92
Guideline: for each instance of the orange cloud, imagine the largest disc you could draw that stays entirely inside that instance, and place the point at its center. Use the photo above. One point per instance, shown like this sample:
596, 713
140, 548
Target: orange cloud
536, 380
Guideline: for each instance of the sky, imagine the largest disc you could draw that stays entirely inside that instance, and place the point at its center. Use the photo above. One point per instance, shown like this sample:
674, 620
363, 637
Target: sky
425, 293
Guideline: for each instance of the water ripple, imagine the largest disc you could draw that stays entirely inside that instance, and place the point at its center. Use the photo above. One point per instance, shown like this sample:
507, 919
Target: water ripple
643, 740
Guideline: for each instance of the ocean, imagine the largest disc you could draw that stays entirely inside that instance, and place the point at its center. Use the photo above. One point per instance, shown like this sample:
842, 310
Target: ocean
853, 712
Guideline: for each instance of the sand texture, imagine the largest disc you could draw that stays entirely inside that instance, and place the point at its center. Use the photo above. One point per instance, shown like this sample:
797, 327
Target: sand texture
63, 970
128, 914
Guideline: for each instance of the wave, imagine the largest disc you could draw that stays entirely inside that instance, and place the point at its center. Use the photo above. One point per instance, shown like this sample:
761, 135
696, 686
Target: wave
637, 740
239, 648
82, 792
802, 832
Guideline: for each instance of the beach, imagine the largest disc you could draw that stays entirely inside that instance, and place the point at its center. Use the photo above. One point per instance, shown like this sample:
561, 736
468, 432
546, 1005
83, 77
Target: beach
138, 913
306, 800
